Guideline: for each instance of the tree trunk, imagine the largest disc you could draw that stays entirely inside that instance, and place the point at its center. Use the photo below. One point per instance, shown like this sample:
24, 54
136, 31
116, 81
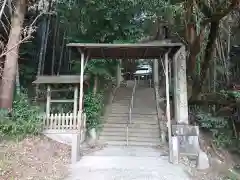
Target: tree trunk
95, 85
41, 54
54, 45
10, 66
18, 85
61, 55
198, 83
45, 43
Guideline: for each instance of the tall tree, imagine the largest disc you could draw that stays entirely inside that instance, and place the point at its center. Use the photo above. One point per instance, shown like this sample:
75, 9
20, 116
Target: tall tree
11, 58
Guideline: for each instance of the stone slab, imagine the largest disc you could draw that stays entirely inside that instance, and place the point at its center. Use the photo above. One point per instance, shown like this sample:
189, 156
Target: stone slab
127, 168
185, 130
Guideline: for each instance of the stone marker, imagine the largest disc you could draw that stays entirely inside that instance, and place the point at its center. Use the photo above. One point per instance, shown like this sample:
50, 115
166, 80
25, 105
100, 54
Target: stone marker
203, 161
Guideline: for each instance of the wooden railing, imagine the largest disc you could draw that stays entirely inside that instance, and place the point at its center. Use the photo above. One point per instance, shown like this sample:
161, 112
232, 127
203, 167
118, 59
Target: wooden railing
161, 118
129, 121
64, 121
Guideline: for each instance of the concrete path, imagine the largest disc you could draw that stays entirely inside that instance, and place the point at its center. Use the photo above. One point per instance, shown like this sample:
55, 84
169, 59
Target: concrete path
126, 163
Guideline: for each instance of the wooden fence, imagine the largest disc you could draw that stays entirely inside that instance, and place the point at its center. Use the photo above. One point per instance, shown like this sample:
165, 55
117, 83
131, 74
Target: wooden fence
64, 121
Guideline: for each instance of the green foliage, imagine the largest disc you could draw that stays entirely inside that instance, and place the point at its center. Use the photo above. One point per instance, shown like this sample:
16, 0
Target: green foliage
222, 134
93, 105
231, 94
99, 21
24, 120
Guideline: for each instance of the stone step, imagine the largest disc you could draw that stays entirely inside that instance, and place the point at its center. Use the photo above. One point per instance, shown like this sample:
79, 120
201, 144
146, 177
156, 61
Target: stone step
118, 114
121, 100
141, 112
124, 95
129, 151
131, 134
120, 111
119, 108
140, 126
130, 138
133, 143
133, 130
116, 104
121, 120
133, 115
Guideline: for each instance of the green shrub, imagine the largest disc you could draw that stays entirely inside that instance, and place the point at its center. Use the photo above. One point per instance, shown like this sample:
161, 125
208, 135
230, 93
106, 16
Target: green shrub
222, 134
24, 119
93, 105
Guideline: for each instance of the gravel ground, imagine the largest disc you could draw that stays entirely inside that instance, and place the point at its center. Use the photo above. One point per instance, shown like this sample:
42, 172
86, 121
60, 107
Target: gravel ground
217, 171
37, 158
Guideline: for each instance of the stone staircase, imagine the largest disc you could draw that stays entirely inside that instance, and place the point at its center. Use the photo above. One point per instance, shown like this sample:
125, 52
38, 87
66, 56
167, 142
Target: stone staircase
144, 128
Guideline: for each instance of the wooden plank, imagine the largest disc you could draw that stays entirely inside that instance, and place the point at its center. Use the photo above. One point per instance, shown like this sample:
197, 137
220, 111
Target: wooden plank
149, 50
48, 104
62, 101
129, 46
75, 105
185, 130
63, 79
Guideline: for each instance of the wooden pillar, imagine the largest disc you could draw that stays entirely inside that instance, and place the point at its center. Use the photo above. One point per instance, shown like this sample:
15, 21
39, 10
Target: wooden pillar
155, 72
166, 64
119, 74
81, 83
170, 75
75, 153
76, 136
75, 101
48, 104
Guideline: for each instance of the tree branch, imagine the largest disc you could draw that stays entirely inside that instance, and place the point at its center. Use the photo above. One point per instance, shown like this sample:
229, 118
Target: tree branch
2, 8
27, 35
220, 13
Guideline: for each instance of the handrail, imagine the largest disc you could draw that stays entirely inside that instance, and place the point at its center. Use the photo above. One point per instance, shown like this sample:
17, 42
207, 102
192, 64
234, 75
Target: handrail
129, 121
161, 122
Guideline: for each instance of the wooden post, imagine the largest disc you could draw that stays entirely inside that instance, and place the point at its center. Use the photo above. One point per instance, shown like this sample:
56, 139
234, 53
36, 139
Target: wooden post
155, 72
174, 150
76, 137
168, 106
119, 74
75, 107
75, 148
81, 83
48, 104
170, 74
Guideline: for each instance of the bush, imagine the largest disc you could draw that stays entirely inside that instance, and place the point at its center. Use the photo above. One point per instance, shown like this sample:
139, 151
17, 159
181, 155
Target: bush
24, 119
93, 105
219, 126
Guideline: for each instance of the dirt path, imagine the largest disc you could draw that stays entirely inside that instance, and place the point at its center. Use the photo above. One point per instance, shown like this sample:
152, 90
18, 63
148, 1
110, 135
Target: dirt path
35, 158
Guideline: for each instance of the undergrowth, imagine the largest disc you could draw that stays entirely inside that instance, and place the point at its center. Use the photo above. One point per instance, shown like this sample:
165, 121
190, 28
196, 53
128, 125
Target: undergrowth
24, 119
93, 106
219, 126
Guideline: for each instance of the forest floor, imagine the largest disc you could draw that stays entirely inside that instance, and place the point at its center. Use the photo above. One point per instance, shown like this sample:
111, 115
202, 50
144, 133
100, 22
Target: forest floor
37, 158
221, 162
